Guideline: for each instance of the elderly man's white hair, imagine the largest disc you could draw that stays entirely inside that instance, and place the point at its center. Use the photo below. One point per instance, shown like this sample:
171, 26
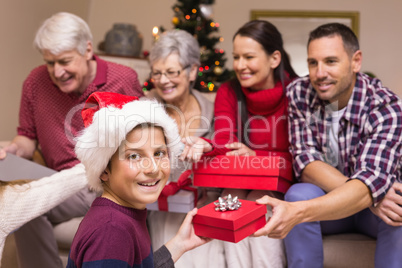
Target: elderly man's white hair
63, 32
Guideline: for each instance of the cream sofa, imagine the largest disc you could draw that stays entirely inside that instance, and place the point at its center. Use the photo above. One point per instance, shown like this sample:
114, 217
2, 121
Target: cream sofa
349, 250
343, 250
64, 233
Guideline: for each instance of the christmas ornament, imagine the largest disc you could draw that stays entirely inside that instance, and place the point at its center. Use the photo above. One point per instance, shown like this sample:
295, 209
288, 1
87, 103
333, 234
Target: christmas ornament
206, 11
211, 86
175, 20
227, 203
218, 70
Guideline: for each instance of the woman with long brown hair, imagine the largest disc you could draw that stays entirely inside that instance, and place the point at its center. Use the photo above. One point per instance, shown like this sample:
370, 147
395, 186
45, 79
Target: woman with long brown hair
251, 119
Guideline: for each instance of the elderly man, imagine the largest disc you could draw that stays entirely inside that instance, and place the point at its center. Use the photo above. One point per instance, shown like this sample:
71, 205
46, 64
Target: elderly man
346, 141
53, 94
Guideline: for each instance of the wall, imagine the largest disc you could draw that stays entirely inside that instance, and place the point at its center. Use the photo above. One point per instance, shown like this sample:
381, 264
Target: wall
19, 20
380, 40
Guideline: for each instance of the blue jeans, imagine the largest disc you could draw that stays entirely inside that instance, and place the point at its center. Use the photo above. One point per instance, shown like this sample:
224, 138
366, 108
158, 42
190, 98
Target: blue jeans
304, 246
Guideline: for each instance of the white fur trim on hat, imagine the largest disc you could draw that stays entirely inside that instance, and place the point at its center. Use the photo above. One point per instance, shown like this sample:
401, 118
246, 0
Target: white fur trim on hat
100, 140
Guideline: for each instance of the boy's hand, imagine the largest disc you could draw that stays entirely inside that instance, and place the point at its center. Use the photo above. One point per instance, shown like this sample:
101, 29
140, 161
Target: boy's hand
185, 239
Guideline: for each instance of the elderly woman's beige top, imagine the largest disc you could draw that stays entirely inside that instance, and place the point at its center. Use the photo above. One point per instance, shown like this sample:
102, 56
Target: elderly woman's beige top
205, 129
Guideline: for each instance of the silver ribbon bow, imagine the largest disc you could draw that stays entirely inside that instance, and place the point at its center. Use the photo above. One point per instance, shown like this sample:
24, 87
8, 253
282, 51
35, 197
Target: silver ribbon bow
227, 203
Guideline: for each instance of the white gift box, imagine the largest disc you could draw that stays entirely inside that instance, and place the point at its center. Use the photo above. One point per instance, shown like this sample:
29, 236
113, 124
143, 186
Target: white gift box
182, 202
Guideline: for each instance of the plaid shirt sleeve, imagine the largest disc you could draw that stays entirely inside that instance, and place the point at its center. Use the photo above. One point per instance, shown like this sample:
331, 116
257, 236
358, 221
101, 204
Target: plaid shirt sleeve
379, 138
304, 139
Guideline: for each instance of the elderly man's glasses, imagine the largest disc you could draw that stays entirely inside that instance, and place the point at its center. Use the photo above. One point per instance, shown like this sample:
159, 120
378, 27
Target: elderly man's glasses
170, 74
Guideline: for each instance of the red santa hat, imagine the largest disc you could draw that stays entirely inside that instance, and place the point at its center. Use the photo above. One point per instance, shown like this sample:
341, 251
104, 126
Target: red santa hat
108, 118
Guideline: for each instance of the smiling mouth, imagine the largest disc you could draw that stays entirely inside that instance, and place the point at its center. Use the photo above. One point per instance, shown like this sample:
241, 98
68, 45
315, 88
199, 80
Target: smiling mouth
149, 184
245, 75
167, 90
65, 79
324, 85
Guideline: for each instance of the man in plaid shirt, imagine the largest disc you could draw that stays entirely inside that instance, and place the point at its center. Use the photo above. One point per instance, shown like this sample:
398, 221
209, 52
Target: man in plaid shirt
345, 135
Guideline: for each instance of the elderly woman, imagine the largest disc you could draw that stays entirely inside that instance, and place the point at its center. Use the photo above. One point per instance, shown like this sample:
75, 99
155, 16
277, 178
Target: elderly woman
174, 61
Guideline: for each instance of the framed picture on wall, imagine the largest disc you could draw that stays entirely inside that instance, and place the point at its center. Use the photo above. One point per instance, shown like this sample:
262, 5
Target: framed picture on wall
295, 27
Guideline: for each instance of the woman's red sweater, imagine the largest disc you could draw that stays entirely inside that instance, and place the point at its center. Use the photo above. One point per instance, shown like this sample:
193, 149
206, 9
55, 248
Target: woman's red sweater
267, 121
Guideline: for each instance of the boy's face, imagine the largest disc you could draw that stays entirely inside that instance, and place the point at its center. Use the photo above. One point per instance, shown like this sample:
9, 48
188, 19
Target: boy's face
139, 169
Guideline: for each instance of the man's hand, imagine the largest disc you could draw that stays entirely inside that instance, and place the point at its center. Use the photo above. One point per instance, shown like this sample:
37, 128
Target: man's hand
284, 218
390, 208
239, 148
20, 146
342, 202
11, 148
194, 148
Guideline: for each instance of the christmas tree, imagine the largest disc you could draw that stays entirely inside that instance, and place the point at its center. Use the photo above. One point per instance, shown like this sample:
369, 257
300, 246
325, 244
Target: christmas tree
195, 17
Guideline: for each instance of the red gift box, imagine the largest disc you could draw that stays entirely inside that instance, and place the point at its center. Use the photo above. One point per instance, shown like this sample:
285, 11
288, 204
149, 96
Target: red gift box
231, 225
244, 172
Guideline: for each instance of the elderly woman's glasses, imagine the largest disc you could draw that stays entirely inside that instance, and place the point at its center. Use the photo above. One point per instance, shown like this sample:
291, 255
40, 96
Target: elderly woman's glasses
169, 74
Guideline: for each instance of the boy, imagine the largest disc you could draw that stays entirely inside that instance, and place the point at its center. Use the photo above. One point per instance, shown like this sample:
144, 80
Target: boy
125, 149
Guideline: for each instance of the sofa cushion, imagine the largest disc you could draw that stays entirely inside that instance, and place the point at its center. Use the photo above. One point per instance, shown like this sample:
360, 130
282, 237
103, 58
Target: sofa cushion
349, 250
65, 231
